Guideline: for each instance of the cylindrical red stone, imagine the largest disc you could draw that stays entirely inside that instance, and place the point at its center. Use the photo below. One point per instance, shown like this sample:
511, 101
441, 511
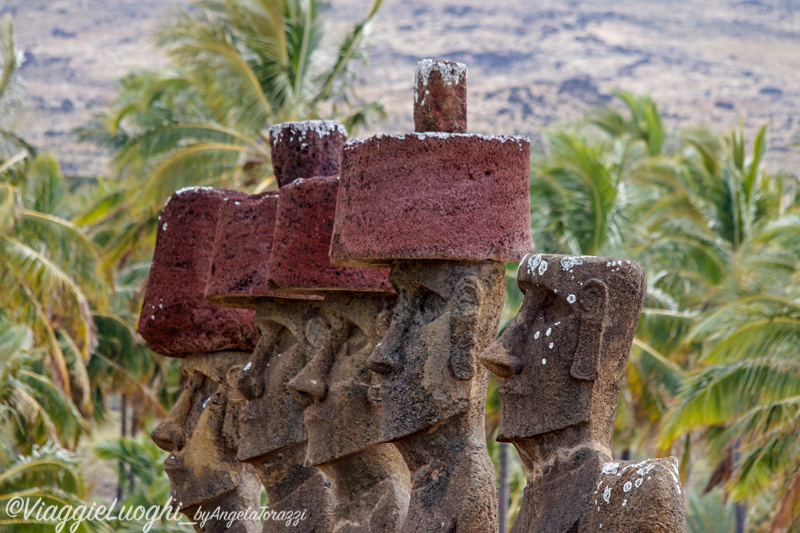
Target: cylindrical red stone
300, 262
440, 96
176, 319
242, 248
306, 149
433, 196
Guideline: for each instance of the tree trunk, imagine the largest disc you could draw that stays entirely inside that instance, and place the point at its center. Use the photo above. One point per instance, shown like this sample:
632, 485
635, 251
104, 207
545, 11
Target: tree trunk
123, 434
134, 431
503, 507
739, 510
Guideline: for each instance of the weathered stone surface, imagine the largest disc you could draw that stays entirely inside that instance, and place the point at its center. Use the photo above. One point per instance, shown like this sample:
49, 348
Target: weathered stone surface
242, 248
272, 419
370, 480
334, 386
295, 491
644, 496
433, 196
306, 149
176, 319
300, 261
440, 96
563, 359
432, 389
272, 436
202, 465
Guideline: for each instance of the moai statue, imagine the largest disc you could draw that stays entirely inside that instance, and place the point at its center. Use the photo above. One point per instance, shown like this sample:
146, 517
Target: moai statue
444, 211
213, 342
370, 480
563, 361
271, 434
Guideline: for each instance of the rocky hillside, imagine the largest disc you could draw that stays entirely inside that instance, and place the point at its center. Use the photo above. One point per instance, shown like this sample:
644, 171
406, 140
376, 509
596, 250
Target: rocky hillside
531, 64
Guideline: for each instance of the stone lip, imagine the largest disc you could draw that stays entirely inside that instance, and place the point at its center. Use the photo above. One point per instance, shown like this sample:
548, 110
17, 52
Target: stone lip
176, 319
300, 262
306, 149
242, 248
433, 195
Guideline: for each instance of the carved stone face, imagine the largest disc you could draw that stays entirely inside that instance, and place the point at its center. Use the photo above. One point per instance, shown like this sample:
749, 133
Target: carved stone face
446, 313
334, 386
563, 357
272, 419
202, 464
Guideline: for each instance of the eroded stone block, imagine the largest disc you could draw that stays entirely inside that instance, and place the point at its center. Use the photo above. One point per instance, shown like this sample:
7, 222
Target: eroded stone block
242, 249
306, 149
440, 96
433, 196
176, 319
300, 262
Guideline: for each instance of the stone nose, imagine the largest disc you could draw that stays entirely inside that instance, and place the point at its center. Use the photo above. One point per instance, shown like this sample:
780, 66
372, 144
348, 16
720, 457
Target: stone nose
249, 384
499, 359
381, 361
169, 435
307, 388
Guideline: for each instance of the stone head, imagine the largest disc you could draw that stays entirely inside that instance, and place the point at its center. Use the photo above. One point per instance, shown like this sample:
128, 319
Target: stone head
199, 431
447, 311
563, 357
335, 386
291, 331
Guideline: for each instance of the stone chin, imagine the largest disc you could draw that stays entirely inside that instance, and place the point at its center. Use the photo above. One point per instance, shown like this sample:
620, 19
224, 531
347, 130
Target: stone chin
189, 490
340, 428
406, 412
261, 434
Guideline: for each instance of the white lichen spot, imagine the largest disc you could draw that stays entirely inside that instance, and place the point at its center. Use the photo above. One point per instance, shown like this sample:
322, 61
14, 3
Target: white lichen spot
608, 264
237, 203
544, 361
638, 483
152, 317
450, 72
543, 268
627, 486
299, 130
313, 381
535, 335
164, 226
607, 494
533, 262
569, 262
548, 332
248, 366
610, 468
571, 298
557, 323
551, 346
624, 503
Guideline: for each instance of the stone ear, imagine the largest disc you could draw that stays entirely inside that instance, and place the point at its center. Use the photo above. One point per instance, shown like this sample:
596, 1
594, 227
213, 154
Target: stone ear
466, 327
316, 331
593, 307
235, 399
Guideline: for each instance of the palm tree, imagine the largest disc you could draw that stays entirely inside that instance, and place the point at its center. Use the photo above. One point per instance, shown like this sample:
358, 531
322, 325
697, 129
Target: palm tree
49, 277
239, 66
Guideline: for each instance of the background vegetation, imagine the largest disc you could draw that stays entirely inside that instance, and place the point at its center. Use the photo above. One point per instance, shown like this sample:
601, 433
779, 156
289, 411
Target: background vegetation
714, 374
